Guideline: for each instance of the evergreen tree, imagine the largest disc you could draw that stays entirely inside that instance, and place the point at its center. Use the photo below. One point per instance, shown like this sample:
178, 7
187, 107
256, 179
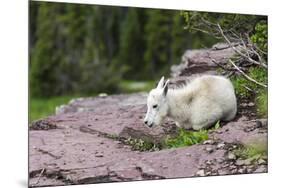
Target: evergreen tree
132, 44
46, 54
88, 49
181, 40
158, 40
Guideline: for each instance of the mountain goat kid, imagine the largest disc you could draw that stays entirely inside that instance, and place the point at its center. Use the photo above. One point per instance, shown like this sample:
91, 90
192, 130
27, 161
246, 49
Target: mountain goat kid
199, 104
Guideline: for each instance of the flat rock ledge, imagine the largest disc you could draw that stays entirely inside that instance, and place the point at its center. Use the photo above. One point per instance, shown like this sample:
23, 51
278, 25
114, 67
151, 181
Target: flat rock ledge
202, 61
80, 145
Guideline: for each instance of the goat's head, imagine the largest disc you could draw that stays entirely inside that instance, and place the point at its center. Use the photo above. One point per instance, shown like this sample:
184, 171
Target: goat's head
157, 104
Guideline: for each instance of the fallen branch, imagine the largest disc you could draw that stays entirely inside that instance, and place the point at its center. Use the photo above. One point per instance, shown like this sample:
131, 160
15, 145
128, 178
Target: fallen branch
40, 175
246, 76
249, 89
219, 64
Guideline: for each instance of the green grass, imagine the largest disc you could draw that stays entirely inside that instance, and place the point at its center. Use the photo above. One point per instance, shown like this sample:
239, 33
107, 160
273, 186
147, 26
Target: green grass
262, 103
240, 83
260, 93
43, 107
186, 138
131, 86
250, 152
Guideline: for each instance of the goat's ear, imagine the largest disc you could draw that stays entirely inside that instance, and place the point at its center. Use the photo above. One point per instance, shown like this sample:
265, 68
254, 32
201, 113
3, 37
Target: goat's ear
165, 90
161, 83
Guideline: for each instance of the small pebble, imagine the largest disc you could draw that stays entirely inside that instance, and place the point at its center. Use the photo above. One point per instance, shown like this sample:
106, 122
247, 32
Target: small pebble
220, 145
241, 171
210, 150
239, 162
231, 156
219, 132
232, 167
208, 142
249, 170
261, 161
247, 161
208, 173
200, 173
260, 169
251, 104
225, 165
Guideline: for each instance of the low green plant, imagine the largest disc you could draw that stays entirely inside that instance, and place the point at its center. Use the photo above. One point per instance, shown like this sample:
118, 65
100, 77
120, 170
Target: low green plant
260, 35
241, 83
43, 107
142, 145
217, 125
262, 103
186, 138
245, 88
250, 152
112, 136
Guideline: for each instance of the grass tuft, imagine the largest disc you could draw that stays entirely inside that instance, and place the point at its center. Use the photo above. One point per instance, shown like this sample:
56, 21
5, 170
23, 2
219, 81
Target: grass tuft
262, 104
43, 107
260, 94
186, 138
250, 152
142, 145
241, 84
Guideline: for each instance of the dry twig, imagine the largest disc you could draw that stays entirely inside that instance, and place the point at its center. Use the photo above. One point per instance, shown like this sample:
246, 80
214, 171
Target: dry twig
40, 175
246, 76
238, 51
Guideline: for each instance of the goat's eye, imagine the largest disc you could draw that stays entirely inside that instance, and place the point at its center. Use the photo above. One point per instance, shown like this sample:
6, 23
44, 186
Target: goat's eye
154, 106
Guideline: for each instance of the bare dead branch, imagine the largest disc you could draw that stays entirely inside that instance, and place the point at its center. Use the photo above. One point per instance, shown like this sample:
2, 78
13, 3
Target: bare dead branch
219, 64
250, 42
238, 51
253, 48
249, 89
40, 175
246, 76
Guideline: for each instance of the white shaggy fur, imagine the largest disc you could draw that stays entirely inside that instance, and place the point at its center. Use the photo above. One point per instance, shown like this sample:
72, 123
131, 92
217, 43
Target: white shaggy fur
199, 104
